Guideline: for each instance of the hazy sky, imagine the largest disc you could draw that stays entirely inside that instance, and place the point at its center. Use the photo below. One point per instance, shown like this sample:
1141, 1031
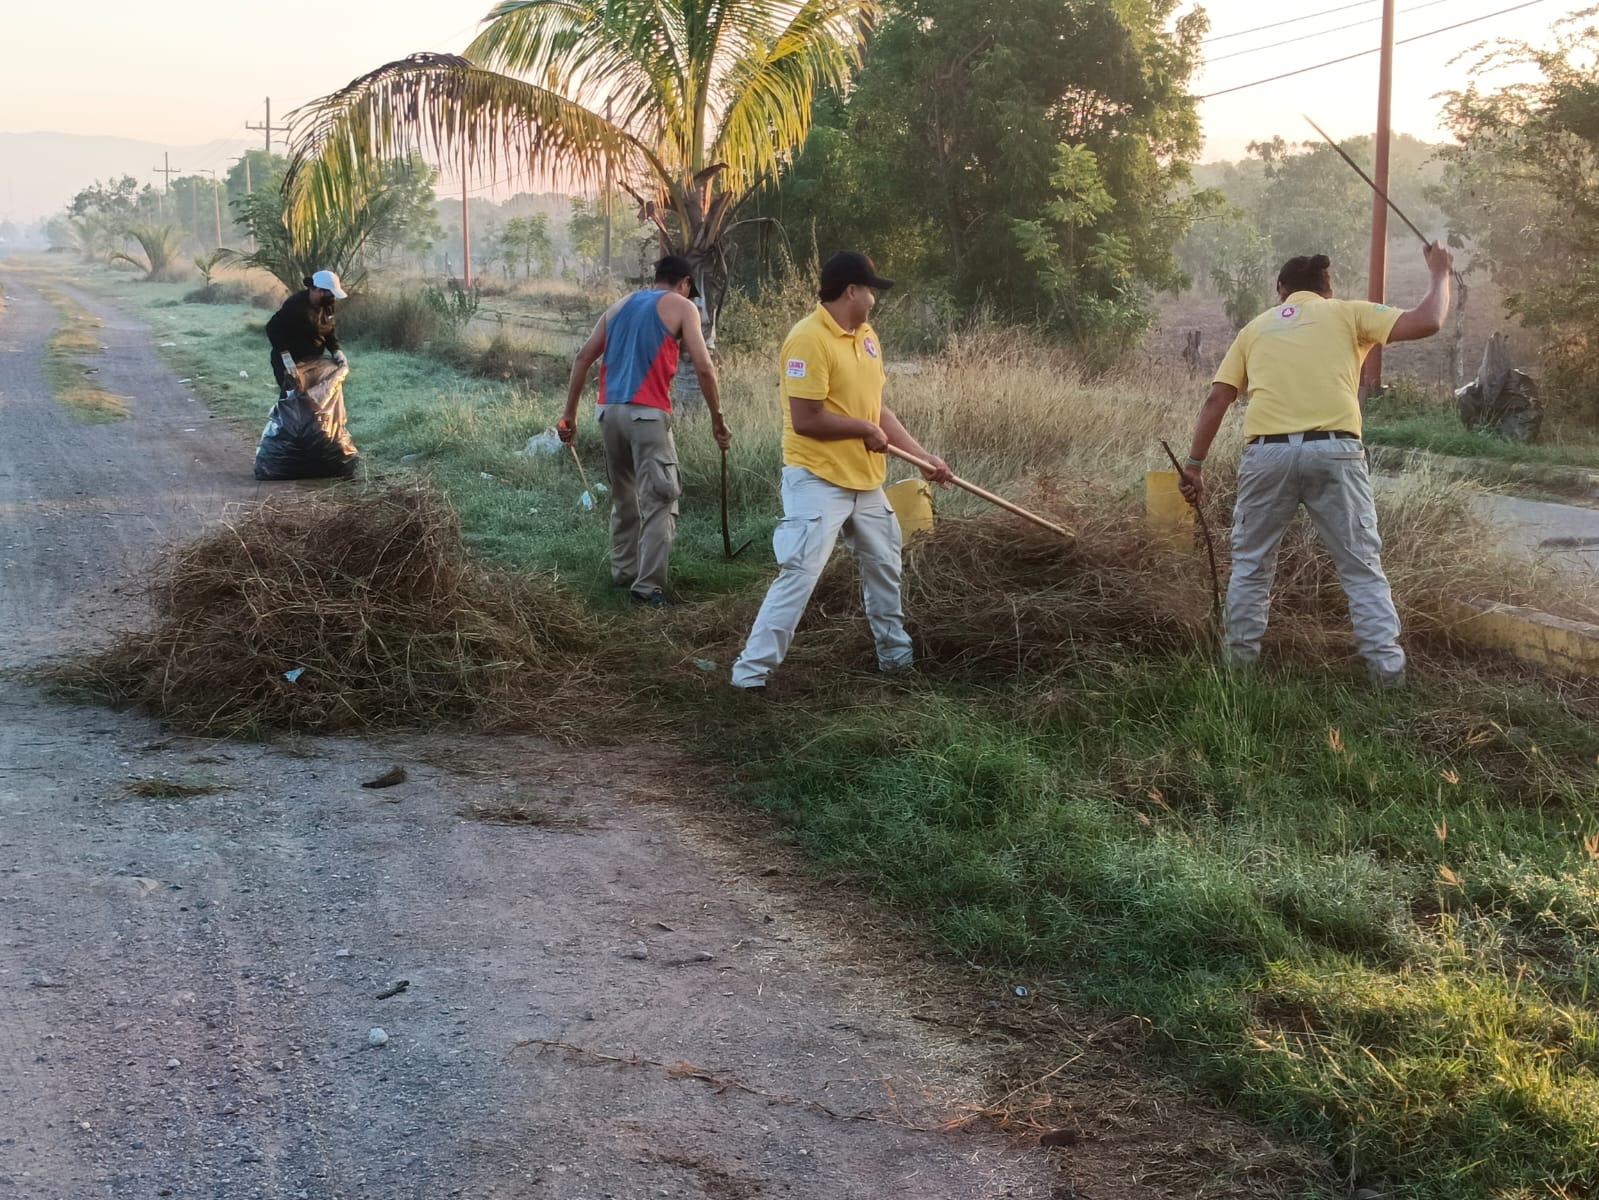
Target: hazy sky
187, 71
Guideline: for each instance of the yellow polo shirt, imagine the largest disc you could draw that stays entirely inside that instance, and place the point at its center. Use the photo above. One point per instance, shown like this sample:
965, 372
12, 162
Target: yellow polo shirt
845, 372
1298, 364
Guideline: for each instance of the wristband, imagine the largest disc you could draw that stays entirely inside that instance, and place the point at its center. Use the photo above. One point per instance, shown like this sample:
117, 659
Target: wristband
1197, 463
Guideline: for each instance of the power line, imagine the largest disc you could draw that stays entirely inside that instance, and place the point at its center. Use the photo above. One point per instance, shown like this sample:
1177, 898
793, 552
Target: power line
1332, 62
1305, 37
1326, 12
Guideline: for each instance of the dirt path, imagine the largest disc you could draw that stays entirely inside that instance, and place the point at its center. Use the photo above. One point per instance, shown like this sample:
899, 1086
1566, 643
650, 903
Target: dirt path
187, 985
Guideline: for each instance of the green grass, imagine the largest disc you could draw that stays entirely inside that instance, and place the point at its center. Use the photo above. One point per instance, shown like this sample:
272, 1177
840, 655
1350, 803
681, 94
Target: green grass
1259, 868
70, 364
1411, 424
1370, 921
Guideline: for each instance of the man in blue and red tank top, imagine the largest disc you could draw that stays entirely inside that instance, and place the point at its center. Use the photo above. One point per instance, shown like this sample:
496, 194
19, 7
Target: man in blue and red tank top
637, 344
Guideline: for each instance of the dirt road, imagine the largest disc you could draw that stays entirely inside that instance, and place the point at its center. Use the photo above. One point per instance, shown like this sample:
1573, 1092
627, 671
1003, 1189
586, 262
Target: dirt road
187, 985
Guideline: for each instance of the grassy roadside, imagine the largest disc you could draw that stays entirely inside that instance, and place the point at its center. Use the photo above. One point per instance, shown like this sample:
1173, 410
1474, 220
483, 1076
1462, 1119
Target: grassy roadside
1410, 423
69, 365
1370, 921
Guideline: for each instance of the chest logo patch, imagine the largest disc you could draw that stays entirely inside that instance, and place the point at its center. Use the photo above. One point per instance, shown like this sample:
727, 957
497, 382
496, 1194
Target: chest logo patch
871, 346
796, 368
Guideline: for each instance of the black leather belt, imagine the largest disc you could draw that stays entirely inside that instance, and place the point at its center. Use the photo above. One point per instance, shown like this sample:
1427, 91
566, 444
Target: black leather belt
1313, 435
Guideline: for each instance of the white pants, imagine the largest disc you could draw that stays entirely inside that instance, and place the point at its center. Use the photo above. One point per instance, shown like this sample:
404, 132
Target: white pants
1330, 479
814, 513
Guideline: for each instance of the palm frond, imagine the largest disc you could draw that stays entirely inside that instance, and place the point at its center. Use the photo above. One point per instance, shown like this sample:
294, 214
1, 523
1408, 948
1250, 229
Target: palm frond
767, 93
456, 111
632, 57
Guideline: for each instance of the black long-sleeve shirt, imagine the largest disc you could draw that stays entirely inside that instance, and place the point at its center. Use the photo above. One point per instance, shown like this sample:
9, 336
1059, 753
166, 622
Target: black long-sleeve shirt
303, 329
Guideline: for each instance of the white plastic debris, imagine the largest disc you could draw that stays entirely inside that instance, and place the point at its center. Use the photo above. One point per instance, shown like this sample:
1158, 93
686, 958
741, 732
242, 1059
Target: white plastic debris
341, 953
377, 1037
173, 1064
244, 374
548, 442
294, 675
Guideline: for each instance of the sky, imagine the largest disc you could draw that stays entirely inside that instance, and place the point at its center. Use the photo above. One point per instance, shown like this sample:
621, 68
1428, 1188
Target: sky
95, 70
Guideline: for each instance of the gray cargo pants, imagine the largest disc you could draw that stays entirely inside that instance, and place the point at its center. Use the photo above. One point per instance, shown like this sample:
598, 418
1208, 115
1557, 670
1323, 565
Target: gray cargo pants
641, 464
1330, 479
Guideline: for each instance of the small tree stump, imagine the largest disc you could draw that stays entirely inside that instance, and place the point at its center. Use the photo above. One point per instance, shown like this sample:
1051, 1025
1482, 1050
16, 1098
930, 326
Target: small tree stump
1501, 400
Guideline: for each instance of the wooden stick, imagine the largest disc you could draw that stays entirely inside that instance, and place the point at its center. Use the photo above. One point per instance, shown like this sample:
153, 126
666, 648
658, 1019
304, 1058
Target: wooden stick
581, 473
984, 494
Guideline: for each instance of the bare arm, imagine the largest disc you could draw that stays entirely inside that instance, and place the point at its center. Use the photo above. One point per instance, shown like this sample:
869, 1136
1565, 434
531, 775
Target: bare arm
811, 419
1221, 398
1427, 318
900, 437
581, 365
700, 355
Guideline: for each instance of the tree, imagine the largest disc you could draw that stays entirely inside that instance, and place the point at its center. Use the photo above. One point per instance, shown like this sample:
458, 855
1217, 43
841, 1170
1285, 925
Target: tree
704, 101
527, 239
1523, 186
290, 249
161, 245
944, 161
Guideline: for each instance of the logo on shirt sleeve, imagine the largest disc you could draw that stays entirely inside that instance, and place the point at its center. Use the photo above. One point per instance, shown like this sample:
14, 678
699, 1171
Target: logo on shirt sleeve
796, 368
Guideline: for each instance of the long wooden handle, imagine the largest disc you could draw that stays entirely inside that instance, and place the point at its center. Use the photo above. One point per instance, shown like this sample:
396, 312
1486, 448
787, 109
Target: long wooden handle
581, 473
985, 494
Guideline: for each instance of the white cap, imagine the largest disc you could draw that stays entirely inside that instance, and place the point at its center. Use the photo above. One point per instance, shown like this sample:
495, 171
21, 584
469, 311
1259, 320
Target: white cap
329, 282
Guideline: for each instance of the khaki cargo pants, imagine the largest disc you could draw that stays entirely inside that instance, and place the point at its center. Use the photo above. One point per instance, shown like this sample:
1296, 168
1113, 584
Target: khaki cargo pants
1329, 478
641, 464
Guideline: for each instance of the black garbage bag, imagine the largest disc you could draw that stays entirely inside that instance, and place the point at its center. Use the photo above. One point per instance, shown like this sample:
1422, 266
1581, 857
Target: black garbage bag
307, 435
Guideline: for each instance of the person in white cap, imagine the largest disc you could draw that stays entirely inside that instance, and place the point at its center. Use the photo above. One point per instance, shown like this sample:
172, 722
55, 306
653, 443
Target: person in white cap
303, 329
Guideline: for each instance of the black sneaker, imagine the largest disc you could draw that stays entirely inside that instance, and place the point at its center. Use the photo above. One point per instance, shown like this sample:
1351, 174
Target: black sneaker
656, 599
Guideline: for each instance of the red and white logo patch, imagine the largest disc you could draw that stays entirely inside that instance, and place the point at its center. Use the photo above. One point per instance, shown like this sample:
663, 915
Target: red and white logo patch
1288, 313
796, 368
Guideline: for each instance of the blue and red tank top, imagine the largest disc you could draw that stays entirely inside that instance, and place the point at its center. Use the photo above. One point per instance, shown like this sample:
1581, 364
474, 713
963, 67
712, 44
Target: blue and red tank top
640, 355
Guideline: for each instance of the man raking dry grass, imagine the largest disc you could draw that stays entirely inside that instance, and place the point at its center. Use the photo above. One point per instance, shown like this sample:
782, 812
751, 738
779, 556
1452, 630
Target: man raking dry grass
837, 432
1298, 366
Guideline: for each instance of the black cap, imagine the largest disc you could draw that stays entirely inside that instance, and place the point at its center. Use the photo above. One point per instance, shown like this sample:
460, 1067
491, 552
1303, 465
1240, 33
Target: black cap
673, 268
849, 267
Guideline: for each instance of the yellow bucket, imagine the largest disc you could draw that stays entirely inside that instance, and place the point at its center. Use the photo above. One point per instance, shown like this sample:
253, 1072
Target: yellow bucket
912, 502
1171, 520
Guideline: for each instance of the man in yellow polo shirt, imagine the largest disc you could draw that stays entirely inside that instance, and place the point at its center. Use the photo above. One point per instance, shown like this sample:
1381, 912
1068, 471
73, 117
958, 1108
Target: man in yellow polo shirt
835, 430
1299, 366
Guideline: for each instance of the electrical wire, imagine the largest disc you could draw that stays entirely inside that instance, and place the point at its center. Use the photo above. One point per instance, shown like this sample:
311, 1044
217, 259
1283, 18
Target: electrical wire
1326, 12
1332, 62
1305, 37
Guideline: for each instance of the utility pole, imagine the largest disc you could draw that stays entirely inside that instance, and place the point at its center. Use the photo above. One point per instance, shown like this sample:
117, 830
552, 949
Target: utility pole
267, 127
607, 249
216, 201
466, 226
169, 171
1377, 274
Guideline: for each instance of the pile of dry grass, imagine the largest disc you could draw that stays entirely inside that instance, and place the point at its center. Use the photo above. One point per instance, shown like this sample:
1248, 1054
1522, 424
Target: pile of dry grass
994, 594
347, 610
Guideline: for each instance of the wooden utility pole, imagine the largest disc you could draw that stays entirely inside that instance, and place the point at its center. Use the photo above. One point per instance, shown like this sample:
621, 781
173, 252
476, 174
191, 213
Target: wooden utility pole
1377, 274
168, 170
607, 248
216, 201
466, 227
267, 127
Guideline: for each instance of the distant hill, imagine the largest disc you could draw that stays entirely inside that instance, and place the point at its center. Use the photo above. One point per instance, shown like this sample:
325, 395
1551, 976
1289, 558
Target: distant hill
40, 172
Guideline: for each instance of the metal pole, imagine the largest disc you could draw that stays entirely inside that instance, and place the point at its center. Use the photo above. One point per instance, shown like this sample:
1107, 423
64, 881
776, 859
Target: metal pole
1377, 274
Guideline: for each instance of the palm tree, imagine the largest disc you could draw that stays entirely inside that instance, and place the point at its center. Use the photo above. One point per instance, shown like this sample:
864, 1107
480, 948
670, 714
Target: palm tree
688, 105
161, 245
